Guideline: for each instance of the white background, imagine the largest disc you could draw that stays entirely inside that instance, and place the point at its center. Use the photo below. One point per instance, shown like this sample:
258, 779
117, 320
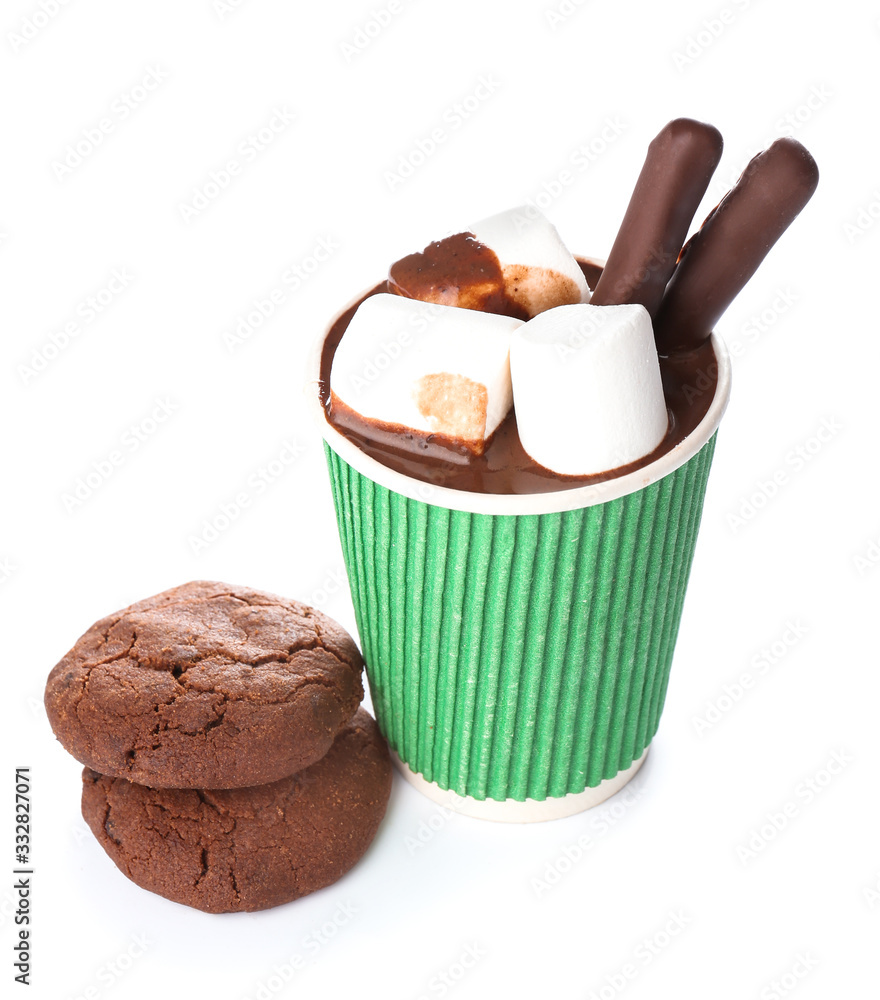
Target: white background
796, 576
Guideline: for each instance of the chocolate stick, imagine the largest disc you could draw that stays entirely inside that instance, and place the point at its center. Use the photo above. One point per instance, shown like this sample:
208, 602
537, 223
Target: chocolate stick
677, 170
737, 235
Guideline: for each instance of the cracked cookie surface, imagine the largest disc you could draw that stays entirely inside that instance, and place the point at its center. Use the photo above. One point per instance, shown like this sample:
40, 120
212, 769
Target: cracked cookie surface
206, 686
237, 849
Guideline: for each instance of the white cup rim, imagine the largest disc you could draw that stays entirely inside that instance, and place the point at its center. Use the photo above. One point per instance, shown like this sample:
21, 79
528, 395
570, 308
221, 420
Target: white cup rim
525, 503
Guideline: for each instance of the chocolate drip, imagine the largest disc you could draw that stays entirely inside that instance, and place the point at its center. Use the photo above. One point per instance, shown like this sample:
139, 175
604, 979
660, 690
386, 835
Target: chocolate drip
677, 171
457, 271
737, 235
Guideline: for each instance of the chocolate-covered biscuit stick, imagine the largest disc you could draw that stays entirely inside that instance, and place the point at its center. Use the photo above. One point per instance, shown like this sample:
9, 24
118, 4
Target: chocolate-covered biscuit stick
677, 171
738, 234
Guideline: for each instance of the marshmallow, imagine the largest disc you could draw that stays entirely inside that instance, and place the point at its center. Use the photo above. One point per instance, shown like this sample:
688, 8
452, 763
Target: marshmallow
513, 264
586, 388
427, 368
539, 271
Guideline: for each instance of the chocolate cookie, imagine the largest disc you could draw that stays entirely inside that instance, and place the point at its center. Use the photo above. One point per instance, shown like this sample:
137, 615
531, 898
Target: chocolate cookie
247, 848
206, 686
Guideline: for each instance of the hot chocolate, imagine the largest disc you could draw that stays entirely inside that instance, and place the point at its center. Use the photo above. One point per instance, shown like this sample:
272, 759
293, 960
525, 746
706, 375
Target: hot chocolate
582, 369
518, 625
688, 383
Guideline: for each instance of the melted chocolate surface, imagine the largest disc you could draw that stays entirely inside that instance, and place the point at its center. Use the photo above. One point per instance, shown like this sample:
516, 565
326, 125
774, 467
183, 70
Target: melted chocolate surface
689, 383
456, 271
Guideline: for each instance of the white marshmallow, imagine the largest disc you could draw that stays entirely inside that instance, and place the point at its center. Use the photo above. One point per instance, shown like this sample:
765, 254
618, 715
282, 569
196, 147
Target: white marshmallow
586, 388
539, 271
426, 367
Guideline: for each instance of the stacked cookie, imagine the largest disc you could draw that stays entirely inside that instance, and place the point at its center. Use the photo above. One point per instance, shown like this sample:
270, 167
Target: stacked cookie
228, 763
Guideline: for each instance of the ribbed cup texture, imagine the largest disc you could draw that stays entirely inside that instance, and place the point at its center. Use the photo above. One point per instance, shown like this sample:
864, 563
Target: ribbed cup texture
519, 656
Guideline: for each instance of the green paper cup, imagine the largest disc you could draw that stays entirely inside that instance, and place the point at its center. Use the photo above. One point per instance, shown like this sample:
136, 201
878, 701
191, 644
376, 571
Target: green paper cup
518, 647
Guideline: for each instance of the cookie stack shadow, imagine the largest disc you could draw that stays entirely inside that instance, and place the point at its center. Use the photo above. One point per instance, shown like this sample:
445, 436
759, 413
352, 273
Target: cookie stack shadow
228, 763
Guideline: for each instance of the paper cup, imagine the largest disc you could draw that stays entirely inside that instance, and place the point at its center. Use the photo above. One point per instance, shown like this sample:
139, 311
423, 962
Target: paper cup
518, 647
